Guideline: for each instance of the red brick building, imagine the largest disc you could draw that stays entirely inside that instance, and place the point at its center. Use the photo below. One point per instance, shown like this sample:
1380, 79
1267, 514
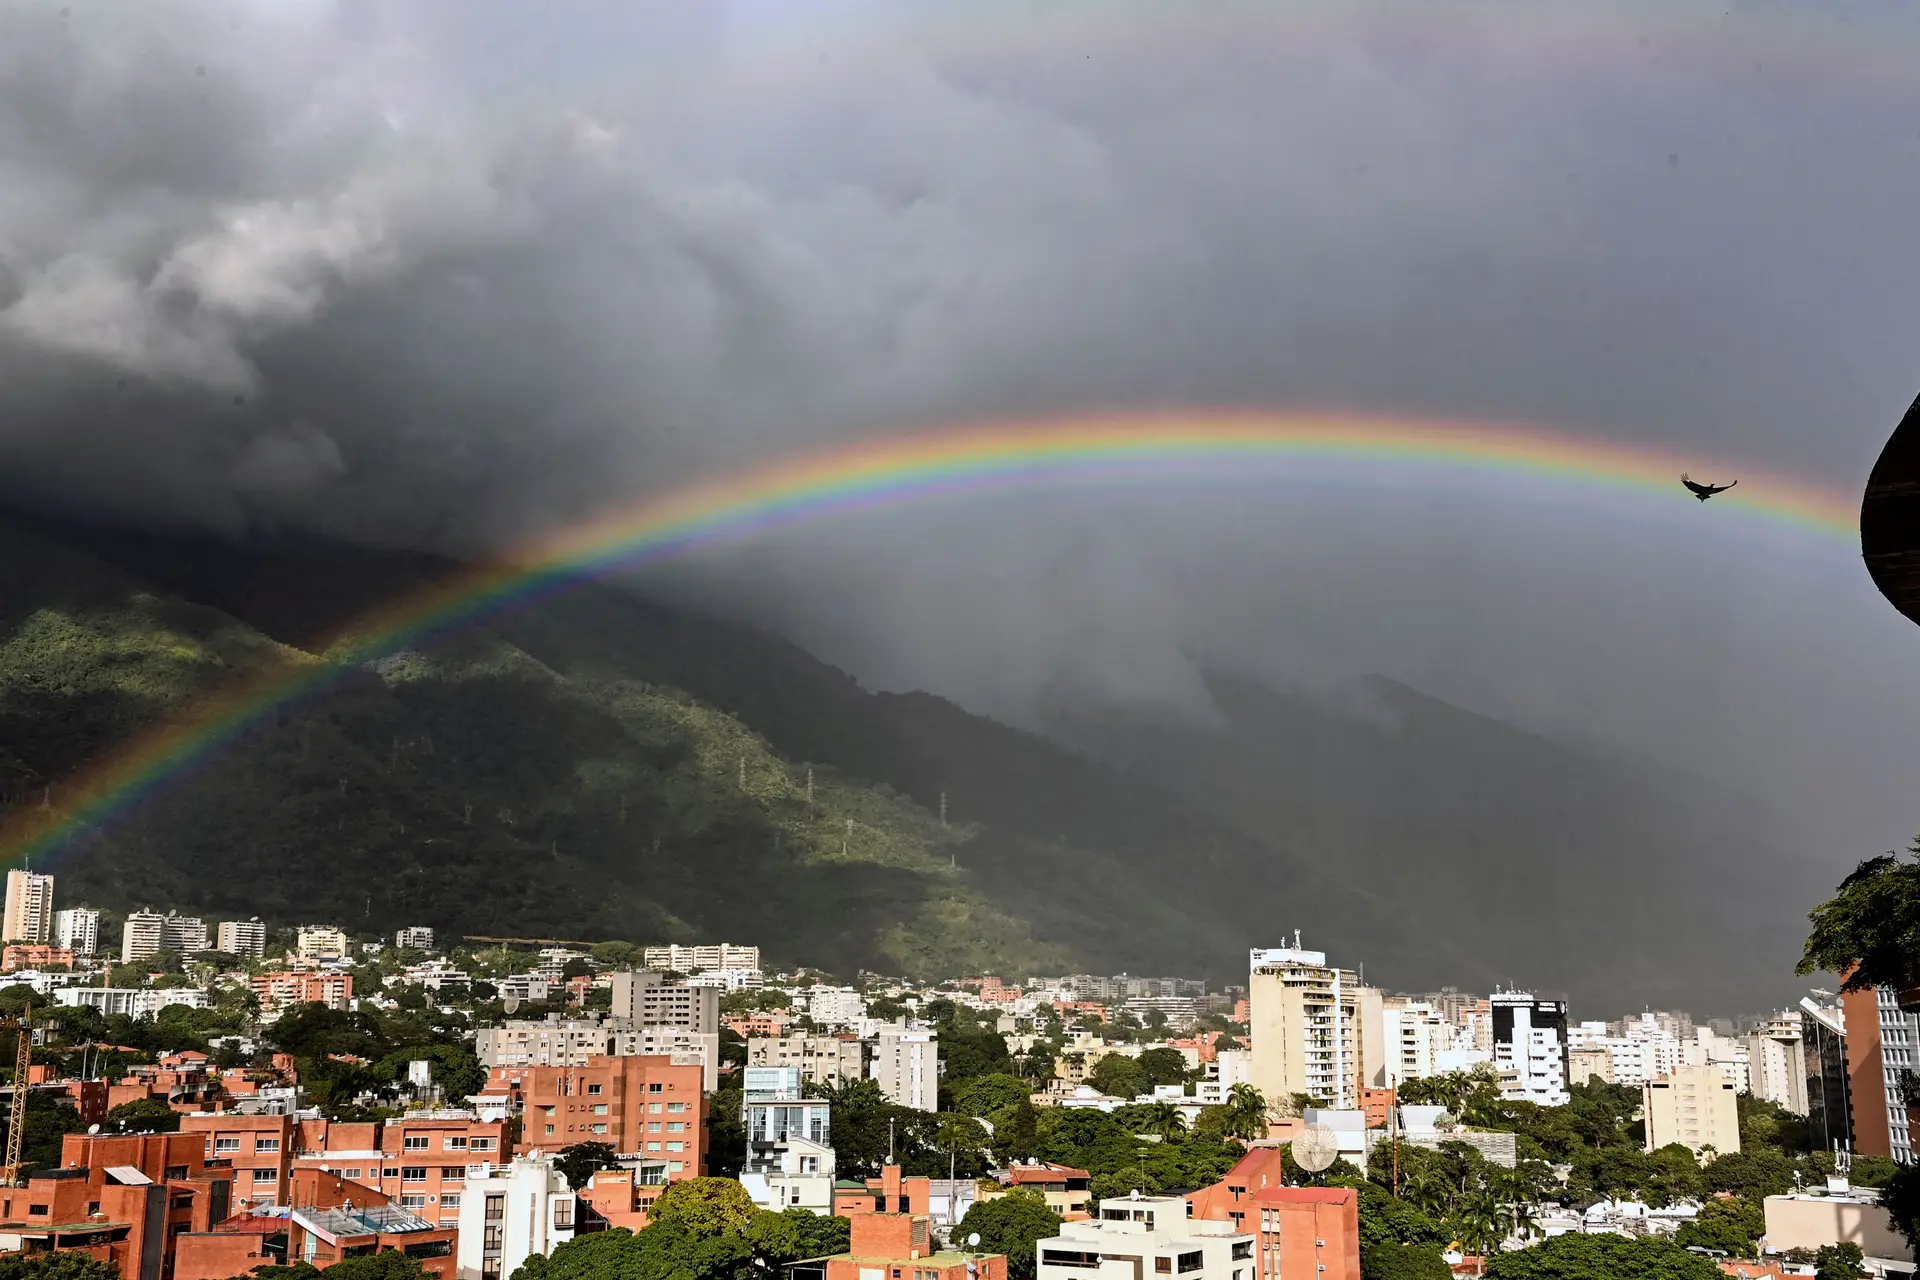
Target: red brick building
640, 1105
296, 986
889, 1193
899, 1246
1230, 1199
1308, 1233
328, 1219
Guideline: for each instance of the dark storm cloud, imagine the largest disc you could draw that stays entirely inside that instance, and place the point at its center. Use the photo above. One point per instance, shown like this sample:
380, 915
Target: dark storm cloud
444, 274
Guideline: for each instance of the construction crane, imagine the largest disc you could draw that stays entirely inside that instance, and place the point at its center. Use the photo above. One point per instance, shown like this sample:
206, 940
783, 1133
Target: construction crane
17, 1117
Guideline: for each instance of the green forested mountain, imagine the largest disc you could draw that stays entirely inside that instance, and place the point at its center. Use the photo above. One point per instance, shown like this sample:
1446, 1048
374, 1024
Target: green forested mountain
597, 767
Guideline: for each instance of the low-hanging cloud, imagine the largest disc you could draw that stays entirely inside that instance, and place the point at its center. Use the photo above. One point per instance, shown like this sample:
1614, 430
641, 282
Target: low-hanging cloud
447, 274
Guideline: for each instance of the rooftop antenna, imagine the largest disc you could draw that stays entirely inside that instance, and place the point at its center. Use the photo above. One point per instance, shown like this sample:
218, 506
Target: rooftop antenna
1296, 939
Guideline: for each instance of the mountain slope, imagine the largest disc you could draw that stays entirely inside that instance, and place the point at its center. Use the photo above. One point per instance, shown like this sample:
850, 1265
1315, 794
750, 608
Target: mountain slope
1580, 872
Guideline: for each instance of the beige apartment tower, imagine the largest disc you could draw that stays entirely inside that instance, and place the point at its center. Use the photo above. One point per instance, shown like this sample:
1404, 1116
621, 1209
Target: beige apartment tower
1305, 1020
1695, 1107
29, 916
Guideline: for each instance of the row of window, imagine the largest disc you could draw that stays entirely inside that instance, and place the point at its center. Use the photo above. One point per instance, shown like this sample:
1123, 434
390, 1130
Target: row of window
412, 1142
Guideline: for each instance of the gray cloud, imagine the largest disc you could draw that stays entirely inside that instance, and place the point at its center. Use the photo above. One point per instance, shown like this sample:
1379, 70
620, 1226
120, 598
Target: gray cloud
445, 274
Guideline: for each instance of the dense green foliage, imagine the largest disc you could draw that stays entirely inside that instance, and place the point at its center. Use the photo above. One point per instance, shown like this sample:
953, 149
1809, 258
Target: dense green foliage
1389, 1261
1012, 1225
65, 1264
584, 1159
700, 1229
1601, 1257
387, 1264
47, 1121
142, 1115
1870, 929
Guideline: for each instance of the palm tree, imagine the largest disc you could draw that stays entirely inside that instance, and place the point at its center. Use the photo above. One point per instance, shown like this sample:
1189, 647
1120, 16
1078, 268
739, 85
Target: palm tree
1246, 1116
1163, 1119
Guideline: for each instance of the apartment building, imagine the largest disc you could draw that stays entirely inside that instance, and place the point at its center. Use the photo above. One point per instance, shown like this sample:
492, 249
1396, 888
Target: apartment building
246, 938
681, 959
641, 1106
29, 908
1883, 1045
835, 1006
321, 942
135, 1002
1413, 1036
1148, 1235
1530, 1047
906, 1066
146, 934
644, 998
286, 987
1695, 1107
1304, 1021
557, 1042
332, 1219
774, 1108
1776, 1063
512, 1213
420, 1161
1823, 1041
34, 955
827, 1060
414, 938
77, 929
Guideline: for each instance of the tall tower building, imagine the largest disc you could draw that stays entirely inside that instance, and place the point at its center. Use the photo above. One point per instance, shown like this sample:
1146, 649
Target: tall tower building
78, 929
29, 914
1305, 1021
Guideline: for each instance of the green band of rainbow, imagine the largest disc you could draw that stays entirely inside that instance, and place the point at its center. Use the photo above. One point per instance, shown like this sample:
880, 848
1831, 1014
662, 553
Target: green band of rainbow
889, 472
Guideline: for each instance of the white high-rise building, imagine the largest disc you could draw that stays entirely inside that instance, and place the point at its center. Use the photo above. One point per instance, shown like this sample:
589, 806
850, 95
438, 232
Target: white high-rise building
1776, 1063
1530, 1047
77, 929
242, 937
906, 1065
148, 933
835, 1006
1414, 1035
510, 1214
321, 942
29, 912
414, 938
681, 959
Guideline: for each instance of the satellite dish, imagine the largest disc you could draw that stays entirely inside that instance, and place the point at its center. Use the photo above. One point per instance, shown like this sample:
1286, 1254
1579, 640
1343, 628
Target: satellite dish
1315, 1148
973, 1240
92, 1128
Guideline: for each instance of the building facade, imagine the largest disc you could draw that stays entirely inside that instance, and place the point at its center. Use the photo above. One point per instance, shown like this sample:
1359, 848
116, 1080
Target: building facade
827, 1060
78, 930
29, 909
648, 1107
321, 942
512, 1213
700, 959
1882, 1043
1776, 1063
774, 1107
246, 938
303, 986
1304, 1021
1695, 1107
414, 938
1823, 1043
1149, 1235
906, 1066
645, 998
147, 933
1530, 1047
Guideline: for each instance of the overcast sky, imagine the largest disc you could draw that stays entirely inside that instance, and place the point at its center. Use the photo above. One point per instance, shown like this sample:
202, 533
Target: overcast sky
446, 274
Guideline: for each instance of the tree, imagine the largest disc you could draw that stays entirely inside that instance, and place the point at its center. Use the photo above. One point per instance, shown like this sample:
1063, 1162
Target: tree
15, 999
65, 1264
704, 1206
1582, 1257
1754, 1175
1839, 1262
1870, 929
142, 1115
1164, 1066
1389, 1261
1164, 1120
388, 1264
1246, 1113
1012, 1224
1118, 1076
1731, 1225
582, 1160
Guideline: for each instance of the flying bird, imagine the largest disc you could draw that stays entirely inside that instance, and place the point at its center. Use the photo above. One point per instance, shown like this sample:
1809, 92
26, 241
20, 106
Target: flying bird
1704, 491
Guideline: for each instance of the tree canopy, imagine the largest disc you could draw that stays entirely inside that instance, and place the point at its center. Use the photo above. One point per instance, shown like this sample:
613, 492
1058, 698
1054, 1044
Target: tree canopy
1011, 1224
1601, 1257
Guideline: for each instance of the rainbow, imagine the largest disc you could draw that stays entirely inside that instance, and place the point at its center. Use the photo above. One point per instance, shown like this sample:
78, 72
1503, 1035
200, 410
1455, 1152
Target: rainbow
891, 472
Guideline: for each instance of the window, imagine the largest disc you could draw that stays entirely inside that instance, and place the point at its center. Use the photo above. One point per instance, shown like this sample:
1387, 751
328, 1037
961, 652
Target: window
676, 1126
593, 1089
480, 1144
33, 1209
351, 1175
1242, 1250
653, 1088
171, 1172
653, 1108
1191, 1261
490, 1242
653, 1126
599, 1108
266, 1176
450, 1202
390, 1173
456, 1142
496, 1207
549, 1128
675, 1166
597, 1128
653, 1146
1164, 1266
676, 1146
675, 1108
414, 1142
222, 1144
563, 1213
413, 1202
453, 1173
414, 1173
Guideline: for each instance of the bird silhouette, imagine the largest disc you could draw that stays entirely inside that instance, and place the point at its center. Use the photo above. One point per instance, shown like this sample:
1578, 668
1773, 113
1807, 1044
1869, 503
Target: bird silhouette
1704, 491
